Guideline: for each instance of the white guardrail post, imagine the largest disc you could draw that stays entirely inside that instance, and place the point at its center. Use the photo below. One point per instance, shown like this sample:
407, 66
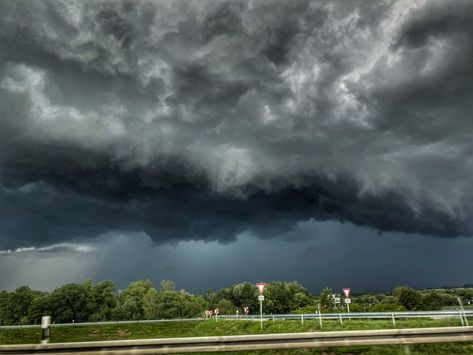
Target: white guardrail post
45, 323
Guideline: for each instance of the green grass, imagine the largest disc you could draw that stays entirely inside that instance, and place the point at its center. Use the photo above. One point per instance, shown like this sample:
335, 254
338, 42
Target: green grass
207, 328
19, 336
253, 327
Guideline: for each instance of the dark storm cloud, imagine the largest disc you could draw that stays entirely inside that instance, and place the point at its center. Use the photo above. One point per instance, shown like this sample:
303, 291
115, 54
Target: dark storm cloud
206, 119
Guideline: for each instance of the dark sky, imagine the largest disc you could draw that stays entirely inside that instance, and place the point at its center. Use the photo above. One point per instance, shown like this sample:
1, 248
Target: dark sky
214, 142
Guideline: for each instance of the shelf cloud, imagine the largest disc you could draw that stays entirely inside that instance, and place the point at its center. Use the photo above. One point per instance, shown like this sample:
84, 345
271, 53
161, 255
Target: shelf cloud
205, 119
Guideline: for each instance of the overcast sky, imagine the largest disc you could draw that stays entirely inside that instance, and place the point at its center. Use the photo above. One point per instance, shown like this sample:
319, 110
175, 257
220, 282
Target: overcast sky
214, 142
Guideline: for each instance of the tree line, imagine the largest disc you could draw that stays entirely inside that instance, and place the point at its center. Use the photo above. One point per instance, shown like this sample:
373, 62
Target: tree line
82, 302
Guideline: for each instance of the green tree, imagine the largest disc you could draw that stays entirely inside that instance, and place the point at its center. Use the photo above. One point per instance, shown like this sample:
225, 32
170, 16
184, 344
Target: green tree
408, 297
167, 285
169, 304
225, 293
285, 297
18, 303
39, 307
193, 306
131, 299
211, 299
301, 300
151, 304
431, 301
326, 300
103, 301
277, 298
226, 306
4, 314
131, 309
71, 302
245, 294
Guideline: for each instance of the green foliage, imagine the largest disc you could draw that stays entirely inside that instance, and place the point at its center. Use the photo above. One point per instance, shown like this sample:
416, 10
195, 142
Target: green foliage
283, 297
245, 294
131, 299
226, 307
140, 300
21, 301
14, 306
408, 297
102, 301
434, 299
210, 298
170, 304
39, 307
151, 304
71, 303
306, 309
326, 300
167, 285
376, 303
192, 306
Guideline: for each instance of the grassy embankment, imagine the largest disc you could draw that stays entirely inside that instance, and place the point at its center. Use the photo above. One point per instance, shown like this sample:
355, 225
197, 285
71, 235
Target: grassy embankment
211, 327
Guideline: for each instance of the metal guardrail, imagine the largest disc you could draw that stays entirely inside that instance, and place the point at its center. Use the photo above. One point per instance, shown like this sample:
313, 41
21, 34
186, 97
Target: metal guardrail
106, 323
306, 316
253, 342
357, 315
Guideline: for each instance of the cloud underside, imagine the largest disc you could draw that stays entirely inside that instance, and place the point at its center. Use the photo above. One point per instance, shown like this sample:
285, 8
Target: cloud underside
205, 119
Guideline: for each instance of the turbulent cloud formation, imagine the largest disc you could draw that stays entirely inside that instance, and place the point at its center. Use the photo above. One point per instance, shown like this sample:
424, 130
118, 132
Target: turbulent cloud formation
205, 119
62, 247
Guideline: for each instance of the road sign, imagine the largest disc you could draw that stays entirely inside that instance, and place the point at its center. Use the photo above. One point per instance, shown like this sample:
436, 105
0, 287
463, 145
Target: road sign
246, 310
261, 286
347, 300
336, 300
346, 291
